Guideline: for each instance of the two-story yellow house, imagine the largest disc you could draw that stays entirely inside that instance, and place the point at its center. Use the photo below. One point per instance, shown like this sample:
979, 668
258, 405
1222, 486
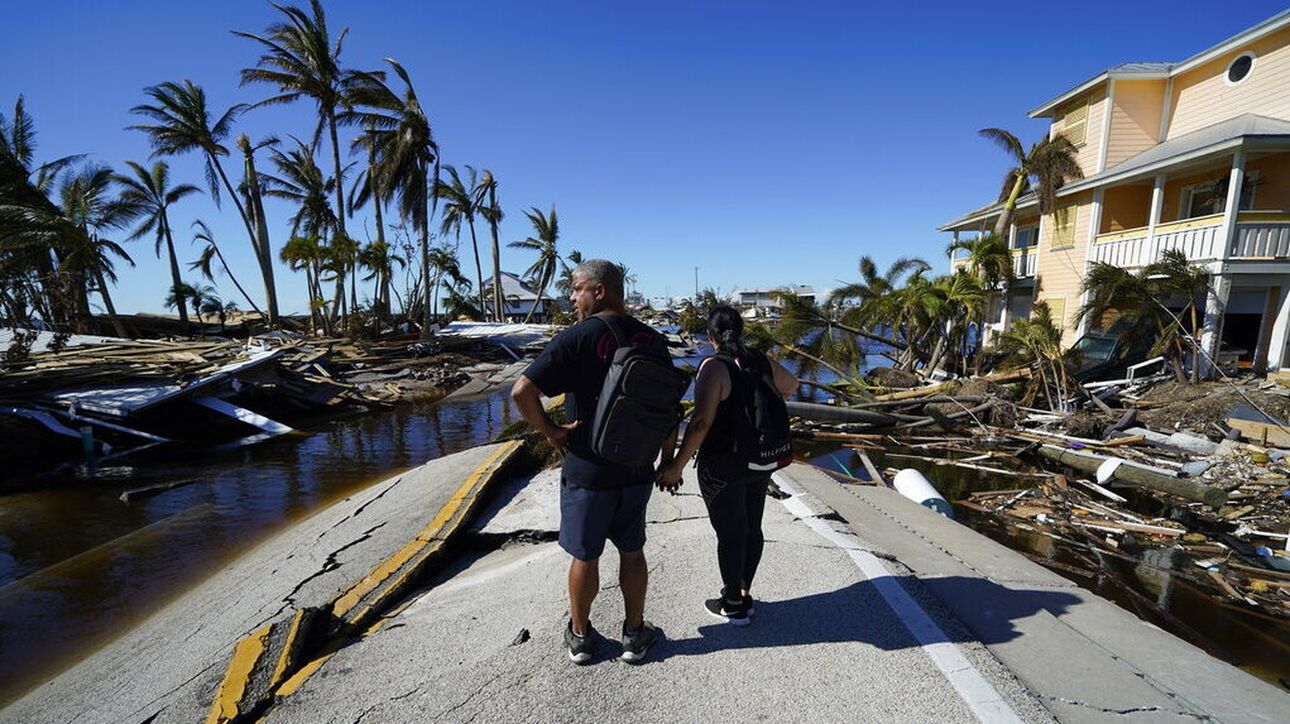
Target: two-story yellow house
1192, 155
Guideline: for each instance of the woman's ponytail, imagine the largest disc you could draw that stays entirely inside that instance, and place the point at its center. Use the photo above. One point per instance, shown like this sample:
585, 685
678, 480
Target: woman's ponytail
726, 331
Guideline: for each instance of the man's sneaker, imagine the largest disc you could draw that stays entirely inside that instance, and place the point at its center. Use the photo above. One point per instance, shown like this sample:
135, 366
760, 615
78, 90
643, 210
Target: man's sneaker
636, 644
580, 647
736, 614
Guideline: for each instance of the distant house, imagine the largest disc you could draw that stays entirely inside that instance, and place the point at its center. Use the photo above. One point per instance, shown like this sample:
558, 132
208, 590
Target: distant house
518, 298
765, 298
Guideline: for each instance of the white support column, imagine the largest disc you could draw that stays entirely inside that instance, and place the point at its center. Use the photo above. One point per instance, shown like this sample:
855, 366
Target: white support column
1094, 226
1234, 183
1278, 353
1220, 286
1012, 244
1153, 217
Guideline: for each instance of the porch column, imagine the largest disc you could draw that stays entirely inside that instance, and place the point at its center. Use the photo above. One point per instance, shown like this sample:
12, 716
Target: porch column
1012, 244
1278, 355
1234, 183
1153, 218
954, 240
1094, 226
1220, 287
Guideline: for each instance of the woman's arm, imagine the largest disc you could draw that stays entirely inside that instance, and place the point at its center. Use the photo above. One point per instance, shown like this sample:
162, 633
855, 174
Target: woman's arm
711, 387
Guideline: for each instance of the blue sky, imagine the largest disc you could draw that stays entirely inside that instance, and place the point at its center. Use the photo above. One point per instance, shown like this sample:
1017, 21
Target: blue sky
765, 143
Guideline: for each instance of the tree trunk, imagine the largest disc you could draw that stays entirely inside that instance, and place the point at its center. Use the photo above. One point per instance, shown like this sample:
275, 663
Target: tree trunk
425, 252
174, 265
1005, 216
536, 302
233, 279
264, 249
479, 270
497, 257
246, 219
107, 303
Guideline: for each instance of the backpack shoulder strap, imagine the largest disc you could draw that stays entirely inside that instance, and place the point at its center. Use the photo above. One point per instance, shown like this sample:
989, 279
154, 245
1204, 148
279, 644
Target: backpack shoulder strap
614, 328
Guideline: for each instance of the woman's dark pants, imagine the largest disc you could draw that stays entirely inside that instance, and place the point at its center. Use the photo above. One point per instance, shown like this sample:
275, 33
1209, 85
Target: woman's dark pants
735, 499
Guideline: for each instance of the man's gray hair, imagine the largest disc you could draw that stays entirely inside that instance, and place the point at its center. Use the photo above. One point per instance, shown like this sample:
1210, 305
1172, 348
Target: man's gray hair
602, 271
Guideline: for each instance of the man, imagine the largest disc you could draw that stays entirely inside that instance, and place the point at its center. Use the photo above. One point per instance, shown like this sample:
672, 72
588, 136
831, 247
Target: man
599, 500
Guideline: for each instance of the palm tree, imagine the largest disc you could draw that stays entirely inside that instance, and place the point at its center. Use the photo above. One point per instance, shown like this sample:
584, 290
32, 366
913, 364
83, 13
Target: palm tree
564, 284
1138, 300
543, 269
408, 156
307, 253
1037, 342
253, 188
859, 307
367, 187
379, 259
196, 295
211, 252
182, 124
89, 210
1050, 163
446, 268
989, 260
461, 204
301, 181
303, 62
486, 204
149, 190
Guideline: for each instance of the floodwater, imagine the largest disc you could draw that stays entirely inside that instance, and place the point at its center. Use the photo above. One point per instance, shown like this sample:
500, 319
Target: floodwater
79, 567
1154, 583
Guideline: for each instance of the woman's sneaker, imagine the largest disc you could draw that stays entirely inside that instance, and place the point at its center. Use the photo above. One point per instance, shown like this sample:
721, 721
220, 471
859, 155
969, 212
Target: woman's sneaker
748, 604
580, 648
735, 613
636, 643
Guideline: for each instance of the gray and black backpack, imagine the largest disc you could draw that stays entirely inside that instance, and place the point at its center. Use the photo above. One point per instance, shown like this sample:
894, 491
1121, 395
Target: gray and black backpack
639, 400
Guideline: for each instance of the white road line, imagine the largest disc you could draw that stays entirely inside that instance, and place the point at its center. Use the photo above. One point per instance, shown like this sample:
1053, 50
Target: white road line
981, 697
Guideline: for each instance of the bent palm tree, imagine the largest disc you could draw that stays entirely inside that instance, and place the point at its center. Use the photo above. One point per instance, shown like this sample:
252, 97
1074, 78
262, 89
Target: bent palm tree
209, 253
182, 124
149, 190
543, 270
1049, 164
486, 203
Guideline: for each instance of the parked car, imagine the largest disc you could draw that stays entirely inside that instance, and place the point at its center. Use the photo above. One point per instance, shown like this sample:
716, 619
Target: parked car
1108, 354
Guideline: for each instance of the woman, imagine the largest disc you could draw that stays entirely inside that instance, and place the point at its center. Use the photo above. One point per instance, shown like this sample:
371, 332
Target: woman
735, 496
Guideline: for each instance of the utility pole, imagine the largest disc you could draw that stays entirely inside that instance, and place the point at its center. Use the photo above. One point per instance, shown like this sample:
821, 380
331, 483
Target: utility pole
696, 285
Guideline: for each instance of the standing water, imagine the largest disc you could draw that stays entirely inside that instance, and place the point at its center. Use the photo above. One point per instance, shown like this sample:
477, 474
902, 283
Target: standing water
79, 567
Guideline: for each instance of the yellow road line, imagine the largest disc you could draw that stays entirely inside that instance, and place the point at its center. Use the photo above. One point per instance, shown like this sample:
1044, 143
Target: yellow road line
231, 689
285, 657
391, 565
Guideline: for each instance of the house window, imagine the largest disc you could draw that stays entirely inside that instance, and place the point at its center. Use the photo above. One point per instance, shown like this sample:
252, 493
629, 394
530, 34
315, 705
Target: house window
1027, 236
1210, 197
1064, 226
1240, 69
1075, 124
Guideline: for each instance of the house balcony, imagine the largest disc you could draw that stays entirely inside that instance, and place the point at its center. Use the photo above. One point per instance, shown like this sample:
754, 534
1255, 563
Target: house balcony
1259, 235
1024, 263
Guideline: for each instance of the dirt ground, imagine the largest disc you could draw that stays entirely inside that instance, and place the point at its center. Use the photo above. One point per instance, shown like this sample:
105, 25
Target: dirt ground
1179, 406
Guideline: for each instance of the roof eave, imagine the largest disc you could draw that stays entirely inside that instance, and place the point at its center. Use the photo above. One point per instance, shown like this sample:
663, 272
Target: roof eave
1271, 25
1152, 168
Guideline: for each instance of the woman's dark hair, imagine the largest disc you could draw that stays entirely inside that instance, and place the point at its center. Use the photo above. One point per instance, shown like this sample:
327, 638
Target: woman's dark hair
726, 330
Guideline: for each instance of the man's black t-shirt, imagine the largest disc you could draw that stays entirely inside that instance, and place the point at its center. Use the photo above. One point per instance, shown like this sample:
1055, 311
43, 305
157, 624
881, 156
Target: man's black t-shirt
576, 362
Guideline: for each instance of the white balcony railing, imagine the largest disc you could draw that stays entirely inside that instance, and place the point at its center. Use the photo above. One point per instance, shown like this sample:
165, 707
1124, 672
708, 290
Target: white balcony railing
1262, 235
1200, 239
1024, 263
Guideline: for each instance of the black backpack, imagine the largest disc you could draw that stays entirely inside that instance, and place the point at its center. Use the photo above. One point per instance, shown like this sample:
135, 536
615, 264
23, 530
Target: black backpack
639, 401
760, 417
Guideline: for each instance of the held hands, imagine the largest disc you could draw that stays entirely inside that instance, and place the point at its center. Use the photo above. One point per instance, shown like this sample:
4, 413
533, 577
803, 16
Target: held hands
669, 476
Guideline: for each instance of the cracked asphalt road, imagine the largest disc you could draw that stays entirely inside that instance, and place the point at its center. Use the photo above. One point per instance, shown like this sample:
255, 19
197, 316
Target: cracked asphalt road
169, 667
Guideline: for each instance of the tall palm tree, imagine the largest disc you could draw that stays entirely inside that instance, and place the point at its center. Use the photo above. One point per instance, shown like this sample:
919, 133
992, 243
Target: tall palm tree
460, 204
491, 211
150, 191
543, 269
301, 181
253, 189
181, 124
301, 60
1045, 169
211, 252
408, 164
367, 187
89, 208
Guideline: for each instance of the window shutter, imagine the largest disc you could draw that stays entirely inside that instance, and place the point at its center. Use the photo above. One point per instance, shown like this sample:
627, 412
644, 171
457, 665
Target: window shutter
1075, 124
1064, 226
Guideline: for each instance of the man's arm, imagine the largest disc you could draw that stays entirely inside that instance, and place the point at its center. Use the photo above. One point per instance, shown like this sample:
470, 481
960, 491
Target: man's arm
528, 398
